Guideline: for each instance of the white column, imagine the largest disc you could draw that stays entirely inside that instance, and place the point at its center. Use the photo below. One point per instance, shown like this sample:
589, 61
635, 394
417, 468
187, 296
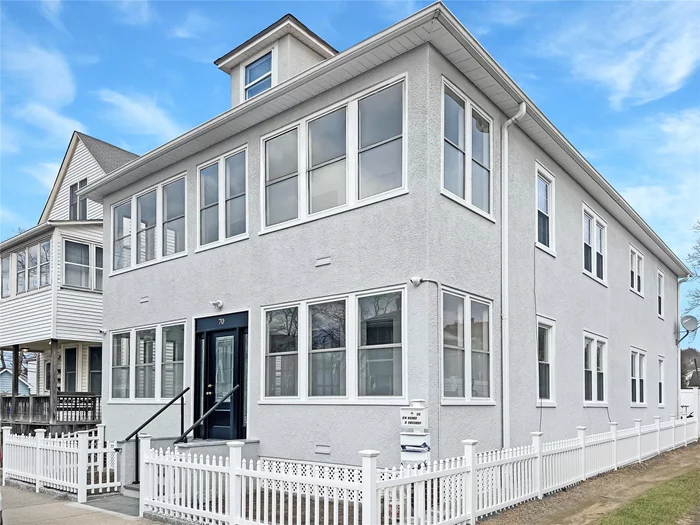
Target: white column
235, 451
38, 460
638, 428
537, 447
82, 465
470, 478
582, 440
613, 431
370, 501
144, 478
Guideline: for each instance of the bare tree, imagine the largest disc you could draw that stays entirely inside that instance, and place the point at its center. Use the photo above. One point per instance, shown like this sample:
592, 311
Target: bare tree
694, 264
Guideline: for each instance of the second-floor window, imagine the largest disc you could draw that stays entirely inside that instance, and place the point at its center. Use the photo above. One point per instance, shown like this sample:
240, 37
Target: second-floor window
5, 276
660, 293
33, 268
82, 265
222, 199
258, 76
77, 208
343, 157
636, 271
160, 225
467, 151
594, 245
545, 209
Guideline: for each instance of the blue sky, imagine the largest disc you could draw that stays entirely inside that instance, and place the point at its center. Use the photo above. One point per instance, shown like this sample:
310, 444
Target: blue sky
620, 80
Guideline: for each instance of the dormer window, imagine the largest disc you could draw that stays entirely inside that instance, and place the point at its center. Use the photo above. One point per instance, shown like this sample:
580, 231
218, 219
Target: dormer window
258, 76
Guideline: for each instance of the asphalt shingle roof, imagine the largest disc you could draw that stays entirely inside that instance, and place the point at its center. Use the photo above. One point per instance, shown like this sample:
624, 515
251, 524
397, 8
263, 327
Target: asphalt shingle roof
109, 157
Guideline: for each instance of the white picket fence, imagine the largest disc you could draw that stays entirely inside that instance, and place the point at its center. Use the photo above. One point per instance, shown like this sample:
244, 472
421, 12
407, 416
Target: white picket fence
80, 463
228, 491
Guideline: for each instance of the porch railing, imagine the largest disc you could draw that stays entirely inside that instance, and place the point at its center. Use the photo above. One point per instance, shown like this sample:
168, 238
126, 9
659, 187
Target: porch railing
71, 407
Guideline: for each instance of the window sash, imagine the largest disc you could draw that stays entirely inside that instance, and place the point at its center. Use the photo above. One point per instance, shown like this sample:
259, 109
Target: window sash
5, 276
256, 80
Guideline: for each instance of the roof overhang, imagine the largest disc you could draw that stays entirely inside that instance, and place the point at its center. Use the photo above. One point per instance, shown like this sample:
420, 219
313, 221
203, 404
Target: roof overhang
40, 230
436, 25
288, 24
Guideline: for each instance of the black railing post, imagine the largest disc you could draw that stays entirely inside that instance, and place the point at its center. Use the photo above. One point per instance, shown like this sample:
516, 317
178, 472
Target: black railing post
138, 460
182, 417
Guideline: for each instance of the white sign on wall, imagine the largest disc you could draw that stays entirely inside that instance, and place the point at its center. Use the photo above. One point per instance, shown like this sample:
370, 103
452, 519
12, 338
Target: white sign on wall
414, 416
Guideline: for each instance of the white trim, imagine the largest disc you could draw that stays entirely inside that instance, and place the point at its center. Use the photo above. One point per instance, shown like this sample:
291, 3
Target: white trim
596, 220
159, 257
638, 275
548, 177
595, 340
220, 161
469, 107
551, 327
660, 294
661, 370
637, 351
351, 165
468, 399
273, 74
91, 264
351, 396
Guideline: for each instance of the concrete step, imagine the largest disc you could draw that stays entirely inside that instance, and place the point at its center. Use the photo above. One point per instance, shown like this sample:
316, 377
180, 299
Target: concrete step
131, 490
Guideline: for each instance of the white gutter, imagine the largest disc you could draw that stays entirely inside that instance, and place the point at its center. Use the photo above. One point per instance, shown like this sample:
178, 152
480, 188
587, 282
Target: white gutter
505, 291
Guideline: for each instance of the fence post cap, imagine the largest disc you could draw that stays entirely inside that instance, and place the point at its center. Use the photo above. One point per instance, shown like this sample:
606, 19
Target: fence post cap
235, 444
637, 420
38, 430
142, 435
536, 434
6, 428
368, 453
657, 418
580, 428
613, 423
470, 442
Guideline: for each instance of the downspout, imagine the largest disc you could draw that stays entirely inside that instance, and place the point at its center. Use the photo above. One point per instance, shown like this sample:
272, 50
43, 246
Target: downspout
505, 292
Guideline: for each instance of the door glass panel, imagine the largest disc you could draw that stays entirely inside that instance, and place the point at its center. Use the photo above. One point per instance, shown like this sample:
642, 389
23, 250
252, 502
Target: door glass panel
224, 367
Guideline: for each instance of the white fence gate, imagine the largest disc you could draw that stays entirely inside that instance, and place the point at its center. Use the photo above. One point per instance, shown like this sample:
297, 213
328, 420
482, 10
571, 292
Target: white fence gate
80, 463
223, 491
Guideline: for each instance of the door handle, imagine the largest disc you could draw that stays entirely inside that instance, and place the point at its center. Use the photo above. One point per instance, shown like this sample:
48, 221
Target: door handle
209, 385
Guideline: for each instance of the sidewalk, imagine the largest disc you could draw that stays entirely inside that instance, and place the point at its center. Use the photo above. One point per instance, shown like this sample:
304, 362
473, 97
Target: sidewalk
22, 507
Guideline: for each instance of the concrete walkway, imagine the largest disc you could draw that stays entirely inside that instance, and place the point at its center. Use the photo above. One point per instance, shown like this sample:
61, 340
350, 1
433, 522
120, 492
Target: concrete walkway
22, 507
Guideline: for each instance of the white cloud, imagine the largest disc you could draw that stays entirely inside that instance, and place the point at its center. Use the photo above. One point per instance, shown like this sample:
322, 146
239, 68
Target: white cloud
9, 142
638, 52
51, 10
140, 115
135, 12
192, 26
44, 173
39, 74
58, 128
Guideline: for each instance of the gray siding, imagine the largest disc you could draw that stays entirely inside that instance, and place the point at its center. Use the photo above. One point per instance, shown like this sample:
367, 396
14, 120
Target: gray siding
82, 165
6, 384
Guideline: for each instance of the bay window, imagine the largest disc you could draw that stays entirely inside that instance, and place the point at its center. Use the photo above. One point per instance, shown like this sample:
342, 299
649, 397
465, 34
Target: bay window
466, 151
594, 245
466, 377
282, 352
636, 271
594, 369
160, 230
342, 157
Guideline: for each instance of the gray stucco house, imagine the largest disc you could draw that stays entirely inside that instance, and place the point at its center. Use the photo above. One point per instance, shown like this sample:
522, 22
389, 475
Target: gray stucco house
395, 221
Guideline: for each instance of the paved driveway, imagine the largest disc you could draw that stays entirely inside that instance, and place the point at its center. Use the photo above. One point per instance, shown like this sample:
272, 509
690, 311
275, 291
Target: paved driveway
22, 507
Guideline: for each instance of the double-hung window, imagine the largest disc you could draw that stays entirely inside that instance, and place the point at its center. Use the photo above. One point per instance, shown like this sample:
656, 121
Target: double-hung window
343, 157
160, 230
595, 356
636, 271
145, 367
545, 209
258, 75
335, 349
77, 207
172, 360
466, 377
45, 263
466, 151
660, 293
222, 199
546, 341
5, 276
21, 269
33, 268
121, 357
70, 369
638, 375
82, 266
594, 245
661, 381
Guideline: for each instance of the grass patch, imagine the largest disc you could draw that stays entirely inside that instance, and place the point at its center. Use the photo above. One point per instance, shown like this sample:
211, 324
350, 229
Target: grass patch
663, 504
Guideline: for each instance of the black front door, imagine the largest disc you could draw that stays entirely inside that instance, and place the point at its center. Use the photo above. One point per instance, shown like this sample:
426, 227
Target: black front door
221, 367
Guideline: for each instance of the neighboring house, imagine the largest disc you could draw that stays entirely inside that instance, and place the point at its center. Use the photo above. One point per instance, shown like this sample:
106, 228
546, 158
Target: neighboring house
51, 293
6, 383
371, 226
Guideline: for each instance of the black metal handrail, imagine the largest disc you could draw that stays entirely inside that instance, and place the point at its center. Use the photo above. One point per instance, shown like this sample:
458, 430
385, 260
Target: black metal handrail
159, 412
201, 419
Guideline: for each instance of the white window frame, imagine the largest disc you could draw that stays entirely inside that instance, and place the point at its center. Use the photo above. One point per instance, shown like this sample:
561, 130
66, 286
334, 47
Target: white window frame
548, 177
13, 290
660, 293
273, 72
468, 399
351, 353
469, 107
551, 326
352, 159
7, 279
92, 247
597, 220
635, 353
159, 228
79, 199
222, 240
596, 338
661, 369
638, 274
157, 362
